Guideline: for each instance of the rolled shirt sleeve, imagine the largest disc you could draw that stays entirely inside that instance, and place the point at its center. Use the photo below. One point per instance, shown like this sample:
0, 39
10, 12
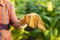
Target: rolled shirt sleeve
13, 18
13, 15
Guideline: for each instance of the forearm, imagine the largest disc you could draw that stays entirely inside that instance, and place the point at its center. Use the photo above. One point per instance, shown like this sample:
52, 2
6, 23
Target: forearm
18, 25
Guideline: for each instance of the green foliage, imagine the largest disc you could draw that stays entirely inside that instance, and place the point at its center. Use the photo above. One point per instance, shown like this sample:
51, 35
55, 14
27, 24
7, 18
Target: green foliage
50, 16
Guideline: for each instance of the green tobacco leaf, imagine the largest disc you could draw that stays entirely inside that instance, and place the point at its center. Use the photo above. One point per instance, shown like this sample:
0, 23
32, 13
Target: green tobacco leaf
55, 32
48, 18
46, 25
48, 35
54, 21
35, 33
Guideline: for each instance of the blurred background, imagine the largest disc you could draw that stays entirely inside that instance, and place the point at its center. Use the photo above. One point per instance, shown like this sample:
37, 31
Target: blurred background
49, 10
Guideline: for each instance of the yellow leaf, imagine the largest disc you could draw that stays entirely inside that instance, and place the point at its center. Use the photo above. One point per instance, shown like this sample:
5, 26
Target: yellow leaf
50, 6
11, 28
